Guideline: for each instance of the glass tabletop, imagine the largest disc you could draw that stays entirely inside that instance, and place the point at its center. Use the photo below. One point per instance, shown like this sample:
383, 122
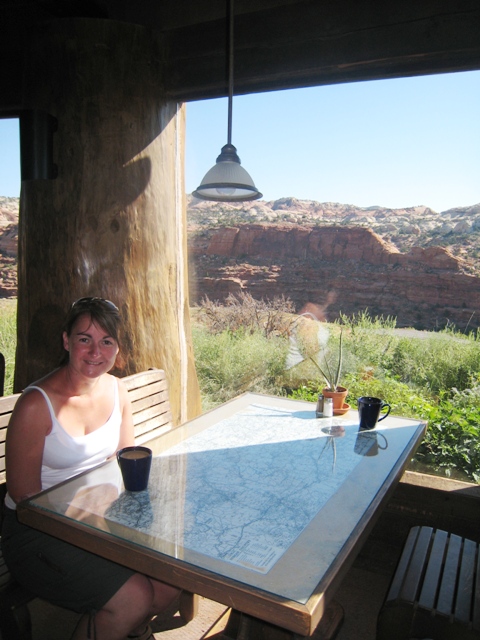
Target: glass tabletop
258, 491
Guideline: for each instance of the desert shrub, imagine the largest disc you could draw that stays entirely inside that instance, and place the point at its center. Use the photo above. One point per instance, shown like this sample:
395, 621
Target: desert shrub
243, 311
232, 362
364, 320
404, 400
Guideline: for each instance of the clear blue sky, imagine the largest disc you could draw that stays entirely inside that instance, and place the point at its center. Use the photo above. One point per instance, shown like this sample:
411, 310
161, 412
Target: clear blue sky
394, 143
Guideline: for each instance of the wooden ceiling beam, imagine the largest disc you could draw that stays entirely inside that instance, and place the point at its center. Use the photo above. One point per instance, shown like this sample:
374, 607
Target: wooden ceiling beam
279, 44
310, 43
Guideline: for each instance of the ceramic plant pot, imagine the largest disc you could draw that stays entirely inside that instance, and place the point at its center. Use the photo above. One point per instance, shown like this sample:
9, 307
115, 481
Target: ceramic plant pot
337, 396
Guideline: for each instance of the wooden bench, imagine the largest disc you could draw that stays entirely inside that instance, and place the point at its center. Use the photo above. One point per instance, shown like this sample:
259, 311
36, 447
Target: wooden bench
148, 392
435, 591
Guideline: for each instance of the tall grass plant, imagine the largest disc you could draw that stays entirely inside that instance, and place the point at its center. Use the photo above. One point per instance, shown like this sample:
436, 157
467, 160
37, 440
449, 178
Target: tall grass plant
8, 339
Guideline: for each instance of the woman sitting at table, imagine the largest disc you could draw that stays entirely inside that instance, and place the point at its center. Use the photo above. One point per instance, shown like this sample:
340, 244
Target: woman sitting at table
71, 420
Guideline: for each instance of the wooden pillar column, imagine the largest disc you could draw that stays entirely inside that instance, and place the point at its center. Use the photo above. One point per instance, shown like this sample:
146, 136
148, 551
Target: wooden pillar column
113, 223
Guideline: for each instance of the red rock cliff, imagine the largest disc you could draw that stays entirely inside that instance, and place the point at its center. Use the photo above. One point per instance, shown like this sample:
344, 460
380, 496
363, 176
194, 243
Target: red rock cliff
351, 267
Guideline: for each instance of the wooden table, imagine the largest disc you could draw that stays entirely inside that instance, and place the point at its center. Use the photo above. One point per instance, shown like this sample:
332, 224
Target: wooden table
256, 504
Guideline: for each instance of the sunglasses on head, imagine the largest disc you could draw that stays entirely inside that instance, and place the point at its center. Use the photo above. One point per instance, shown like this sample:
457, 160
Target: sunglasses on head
85, 302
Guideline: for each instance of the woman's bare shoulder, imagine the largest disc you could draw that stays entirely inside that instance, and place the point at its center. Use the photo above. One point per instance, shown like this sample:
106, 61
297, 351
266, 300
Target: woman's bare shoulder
32, 399
31, 412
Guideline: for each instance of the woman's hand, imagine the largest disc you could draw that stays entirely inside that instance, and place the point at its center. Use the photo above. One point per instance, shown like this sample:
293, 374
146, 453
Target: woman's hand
90, 503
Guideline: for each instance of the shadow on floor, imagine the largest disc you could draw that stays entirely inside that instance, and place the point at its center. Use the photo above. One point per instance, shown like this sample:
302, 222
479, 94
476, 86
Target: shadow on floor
361, 595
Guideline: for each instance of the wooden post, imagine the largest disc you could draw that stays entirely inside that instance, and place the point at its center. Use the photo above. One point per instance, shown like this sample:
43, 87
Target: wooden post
113, 223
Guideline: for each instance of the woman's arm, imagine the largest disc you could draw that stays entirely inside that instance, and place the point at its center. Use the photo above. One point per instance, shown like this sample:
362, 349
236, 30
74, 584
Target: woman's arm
127, 437
29, 425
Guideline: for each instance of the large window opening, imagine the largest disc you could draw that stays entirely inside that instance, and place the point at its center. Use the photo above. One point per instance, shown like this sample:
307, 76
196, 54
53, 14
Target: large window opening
9, 205
382, 179
9, 158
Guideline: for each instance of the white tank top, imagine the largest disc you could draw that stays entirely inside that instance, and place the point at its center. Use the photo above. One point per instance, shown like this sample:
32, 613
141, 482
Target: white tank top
65, 456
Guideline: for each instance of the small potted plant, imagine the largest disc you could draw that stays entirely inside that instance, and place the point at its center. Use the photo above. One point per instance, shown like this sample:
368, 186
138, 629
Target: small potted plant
308, 342
331, 373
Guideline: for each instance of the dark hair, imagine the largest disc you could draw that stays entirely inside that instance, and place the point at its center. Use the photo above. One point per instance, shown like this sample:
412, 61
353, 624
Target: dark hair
102, 312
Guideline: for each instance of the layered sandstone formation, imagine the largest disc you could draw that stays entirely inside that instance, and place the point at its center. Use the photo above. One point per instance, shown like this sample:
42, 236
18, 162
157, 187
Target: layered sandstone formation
337, 269
8, 246
334, 258
457, 229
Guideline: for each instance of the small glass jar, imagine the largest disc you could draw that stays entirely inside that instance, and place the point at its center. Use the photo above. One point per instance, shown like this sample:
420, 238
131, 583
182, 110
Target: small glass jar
327, 407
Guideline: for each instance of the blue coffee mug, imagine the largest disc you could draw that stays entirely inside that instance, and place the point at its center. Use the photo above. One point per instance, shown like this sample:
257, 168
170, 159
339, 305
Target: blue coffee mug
135, 463
369, 411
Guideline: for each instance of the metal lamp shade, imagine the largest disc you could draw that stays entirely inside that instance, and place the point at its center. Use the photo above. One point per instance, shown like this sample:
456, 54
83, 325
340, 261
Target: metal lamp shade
227, 180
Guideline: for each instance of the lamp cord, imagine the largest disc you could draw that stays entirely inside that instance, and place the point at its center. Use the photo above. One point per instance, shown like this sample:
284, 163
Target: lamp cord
230, 69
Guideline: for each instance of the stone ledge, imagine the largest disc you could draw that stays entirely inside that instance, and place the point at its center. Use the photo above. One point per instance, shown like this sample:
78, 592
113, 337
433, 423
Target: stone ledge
440, 483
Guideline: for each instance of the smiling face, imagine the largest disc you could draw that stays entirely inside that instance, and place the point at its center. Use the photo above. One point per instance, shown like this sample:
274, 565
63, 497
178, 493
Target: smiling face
92, 351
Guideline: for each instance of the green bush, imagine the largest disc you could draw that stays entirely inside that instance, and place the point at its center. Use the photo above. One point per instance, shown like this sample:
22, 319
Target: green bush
8, 340
451, 445
232, 362
438, 363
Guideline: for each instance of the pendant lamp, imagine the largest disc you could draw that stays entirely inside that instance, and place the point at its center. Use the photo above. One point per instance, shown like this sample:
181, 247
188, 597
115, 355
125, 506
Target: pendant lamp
227, 180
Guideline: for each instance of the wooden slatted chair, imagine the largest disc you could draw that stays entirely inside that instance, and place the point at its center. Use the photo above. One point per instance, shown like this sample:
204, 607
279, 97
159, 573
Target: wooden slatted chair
6, 407
435, 592
148, 392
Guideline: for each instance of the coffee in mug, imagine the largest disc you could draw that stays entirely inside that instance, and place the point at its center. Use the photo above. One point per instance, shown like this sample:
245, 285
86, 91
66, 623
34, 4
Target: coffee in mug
135, 454
135, 463
369, 409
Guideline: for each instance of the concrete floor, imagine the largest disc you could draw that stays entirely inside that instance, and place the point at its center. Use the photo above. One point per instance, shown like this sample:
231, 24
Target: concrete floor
361, 595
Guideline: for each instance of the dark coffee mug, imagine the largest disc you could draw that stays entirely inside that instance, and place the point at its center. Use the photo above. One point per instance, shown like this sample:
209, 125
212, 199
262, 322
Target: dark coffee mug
369, 411
367, 443
135, 463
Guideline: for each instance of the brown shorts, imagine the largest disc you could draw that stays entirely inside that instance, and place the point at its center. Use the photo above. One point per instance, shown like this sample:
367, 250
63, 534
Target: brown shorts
57, 571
